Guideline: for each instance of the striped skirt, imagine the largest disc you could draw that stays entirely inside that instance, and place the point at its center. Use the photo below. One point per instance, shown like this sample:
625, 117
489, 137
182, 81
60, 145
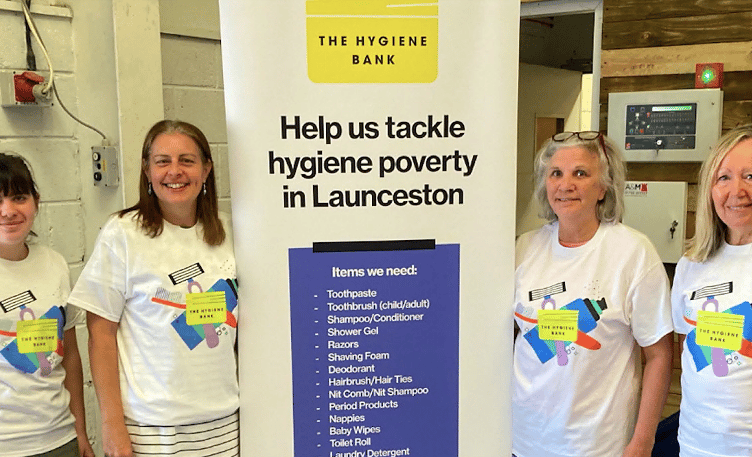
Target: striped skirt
217, 438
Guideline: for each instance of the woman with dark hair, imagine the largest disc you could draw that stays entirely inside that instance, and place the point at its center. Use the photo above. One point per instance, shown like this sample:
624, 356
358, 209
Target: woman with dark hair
590, 294
161, 297
41, 383
711, 306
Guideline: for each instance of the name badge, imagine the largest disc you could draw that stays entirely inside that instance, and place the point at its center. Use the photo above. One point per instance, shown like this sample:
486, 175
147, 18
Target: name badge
39, 335
720, 330
558, 324
205, 308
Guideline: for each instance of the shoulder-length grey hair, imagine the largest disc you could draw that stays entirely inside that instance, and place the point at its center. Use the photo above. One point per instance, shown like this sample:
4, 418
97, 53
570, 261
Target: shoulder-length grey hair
612, 175
710, 231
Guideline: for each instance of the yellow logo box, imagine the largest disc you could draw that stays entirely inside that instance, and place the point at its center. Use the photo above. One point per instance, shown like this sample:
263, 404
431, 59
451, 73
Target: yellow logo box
377, 41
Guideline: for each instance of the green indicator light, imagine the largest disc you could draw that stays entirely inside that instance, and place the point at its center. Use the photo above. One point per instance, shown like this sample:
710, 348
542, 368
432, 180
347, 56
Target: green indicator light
657, 109
707, 75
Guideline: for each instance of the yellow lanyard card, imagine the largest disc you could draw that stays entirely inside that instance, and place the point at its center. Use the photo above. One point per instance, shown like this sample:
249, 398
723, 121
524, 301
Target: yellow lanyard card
558, 324
205, 308
720, 330
39, 335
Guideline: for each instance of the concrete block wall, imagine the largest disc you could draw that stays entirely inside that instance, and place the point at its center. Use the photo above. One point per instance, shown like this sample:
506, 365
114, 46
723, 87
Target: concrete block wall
72, 209
49, 140
193, 92
46, 135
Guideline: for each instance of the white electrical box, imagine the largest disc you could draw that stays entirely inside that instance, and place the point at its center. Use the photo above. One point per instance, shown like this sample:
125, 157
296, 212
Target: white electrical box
104, 163
665, 126
659, 210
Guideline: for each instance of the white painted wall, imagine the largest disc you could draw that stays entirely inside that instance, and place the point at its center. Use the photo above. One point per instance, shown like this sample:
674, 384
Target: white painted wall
543, 92
193, 91
115, 70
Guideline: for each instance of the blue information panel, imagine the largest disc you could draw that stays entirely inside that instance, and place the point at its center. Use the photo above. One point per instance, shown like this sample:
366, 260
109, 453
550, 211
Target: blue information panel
375, 349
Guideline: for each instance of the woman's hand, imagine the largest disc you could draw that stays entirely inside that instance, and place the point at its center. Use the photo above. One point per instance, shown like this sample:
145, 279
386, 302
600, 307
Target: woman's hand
105, 373
639, 448
655, 381
84, 447
115, 440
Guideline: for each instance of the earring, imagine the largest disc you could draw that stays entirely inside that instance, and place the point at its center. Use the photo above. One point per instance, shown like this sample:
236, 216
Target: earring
204, 188
149, 190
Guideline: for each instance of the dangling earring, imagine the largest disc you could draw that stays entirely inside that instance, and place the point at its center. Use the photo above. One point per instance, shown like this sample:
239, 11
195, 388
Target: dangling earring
204, 188
149, 190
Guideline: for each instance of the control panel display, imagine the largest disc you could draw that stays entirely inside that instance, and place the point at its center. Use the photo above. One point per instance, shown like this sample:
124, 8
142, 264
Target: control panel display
669, 126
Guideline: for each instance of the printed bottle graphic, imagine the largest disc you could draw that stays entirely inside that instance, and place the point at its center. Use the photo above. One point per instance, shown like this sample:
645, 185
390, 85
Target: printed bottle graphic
193, 334
719, 358
25, 361
589, 312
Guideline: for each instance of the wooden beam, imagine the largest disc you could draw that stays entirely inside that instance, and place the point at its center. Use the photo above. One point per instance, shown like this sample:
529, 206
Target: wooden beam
714, 28
737, 85
663, 171
670, 60
736, 113
639, 10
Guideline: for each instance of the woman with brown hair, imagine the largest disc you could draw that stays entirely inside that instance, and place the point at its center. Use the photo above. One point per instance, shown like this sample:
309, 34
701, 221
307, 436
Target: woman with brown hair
41, 385
161, 297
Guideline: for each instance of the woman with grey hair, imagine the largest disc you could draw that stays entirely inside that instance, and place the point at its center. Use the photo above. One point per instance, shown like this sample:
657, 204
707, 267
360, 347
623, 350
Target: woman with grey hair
711, 306
590, 293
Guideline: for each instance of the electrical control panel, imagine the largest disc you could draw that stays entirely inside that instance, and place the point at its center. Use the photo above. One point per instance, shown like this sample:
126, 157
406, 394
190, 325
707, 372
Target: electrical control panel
105, 166
665, 126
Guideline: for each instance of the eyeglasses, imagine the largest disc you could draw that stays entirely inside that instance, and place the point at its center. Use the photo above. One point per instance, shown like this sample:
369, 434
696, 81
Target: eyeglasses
588, 135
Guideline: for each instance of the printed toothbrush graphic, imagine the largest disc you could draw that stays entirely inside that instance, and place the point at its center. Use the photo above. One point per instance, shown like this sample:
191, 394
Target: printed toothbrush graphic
33, 361
192, 335
716, 356
587, 320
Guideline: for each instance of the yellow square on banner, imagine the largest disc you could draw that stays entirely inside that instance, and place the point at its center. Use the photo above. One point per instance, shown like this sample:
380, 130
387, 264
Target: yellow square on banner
558, 324
205, 308
720, 330
38, 335
372, 41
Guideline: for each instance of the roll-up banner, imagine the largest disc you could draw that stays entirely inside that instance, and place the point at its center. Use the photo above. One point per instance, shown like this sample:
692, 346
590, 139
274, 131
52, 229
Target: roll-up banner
372, 159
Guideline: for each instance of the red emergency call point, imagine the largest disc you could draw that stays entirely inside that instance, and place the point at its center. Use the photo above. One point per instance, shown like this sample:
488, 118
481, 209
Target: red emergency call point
708, 75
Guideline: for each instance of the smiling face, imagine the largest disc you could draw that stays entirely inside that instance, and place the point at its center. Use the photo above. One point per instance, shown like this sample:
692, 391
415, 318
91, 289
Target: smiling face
17, 214
573, 187
732, 193
176, 171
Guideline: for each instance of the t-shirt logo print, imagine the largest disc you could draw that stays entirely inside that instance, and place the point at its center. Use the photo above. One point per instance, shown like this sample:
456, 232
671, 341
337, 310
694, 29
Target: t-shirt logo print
32, 361
719, 358
193, 335
589, 312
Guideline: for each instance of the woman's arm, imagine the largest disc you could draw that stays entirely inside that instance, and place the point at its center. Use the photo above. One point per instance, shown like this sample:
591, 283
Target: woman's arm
655, 382
106, 375
74, 382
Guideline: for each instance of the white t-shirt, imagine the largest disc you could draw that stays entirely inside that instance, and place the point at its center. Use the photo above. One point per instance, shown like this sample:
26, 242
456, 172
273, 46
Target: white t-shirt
34, 412
716, 406
170, 372
581, 398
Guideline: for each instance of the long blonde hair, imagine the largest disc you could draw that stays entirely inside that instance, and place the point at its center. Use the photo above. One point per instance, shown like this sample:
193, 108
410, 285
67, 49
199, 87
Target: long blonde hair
710, 231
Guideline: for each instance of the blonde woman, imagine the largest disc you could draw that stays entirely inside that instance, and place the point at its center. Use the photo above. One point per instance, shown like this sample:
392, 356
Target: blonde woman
711, 307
